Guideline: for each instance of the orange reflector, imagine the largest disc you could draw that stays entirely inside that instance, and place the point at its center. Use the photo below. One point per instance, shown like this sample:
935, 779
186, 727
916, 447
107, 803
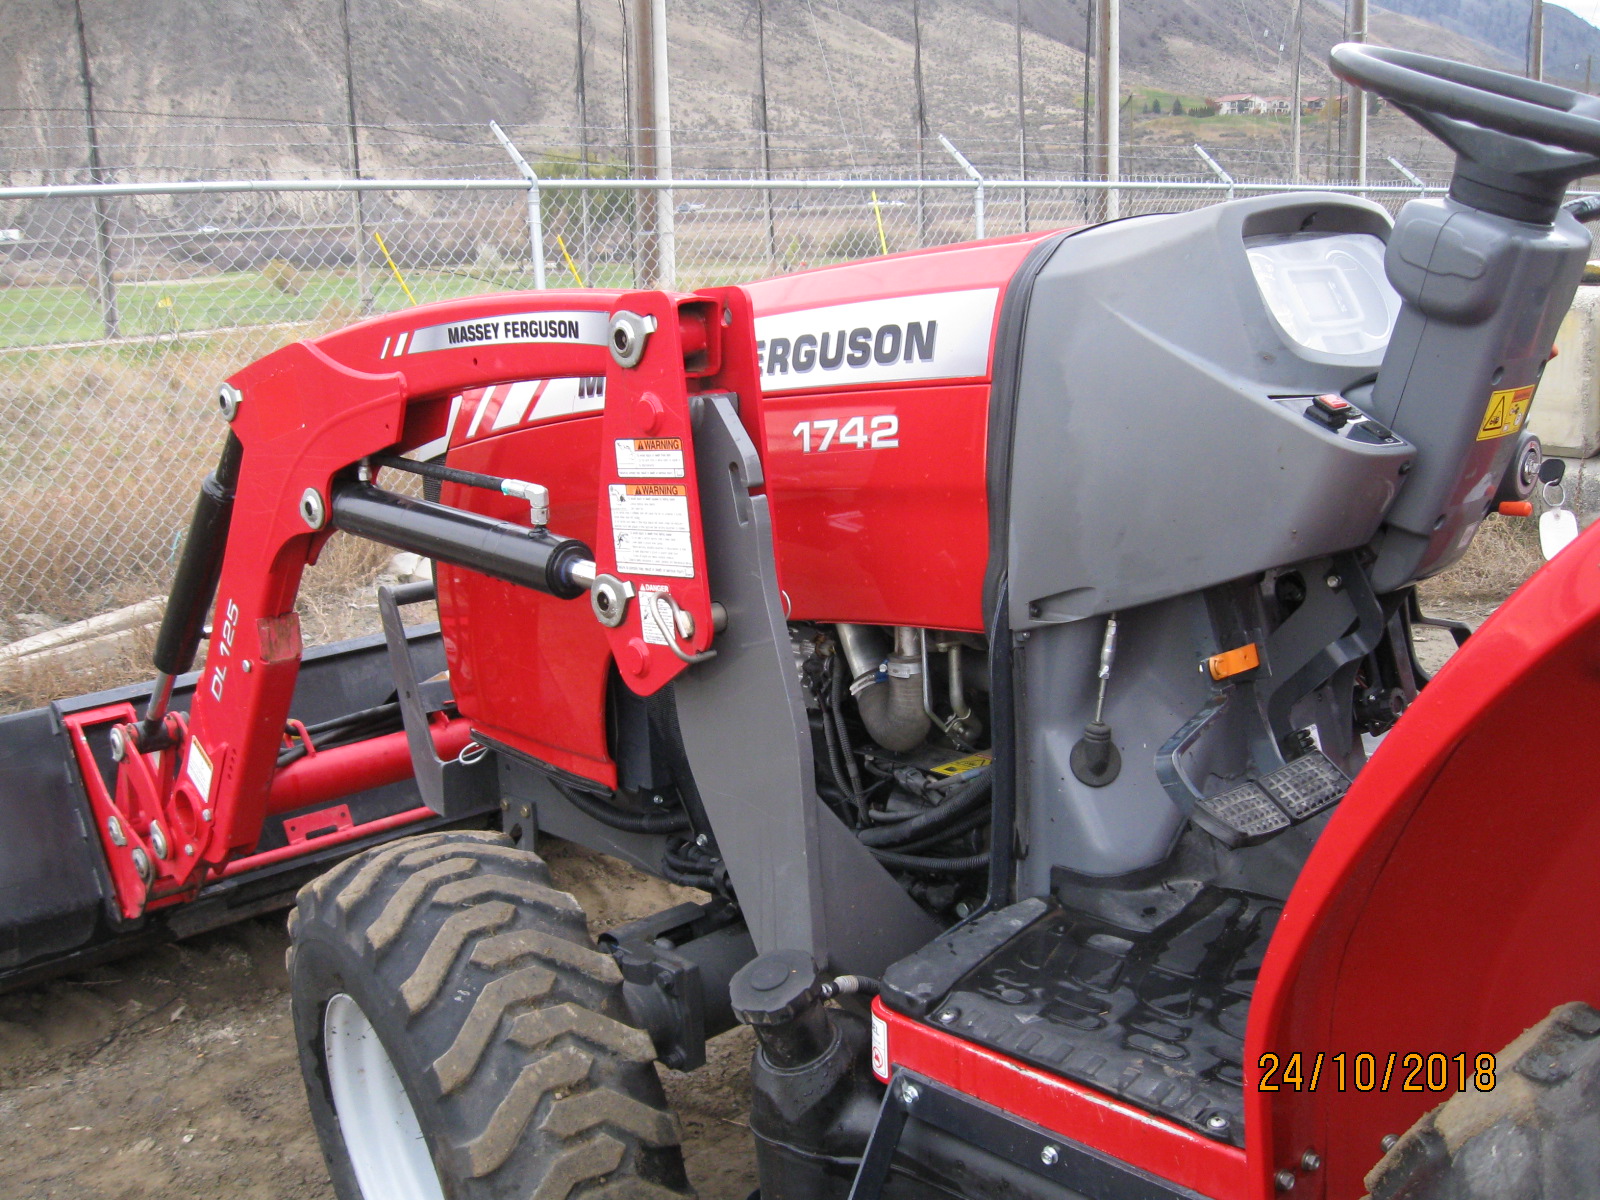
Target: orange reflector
1516, 508
1234, 662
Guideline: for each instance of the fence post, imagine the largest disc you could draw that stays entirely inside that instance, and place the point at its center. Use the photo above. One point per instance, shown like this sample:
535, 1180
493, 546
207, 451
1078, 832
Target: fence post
1217, 167
1422, 188
977, 188
535, 208
105, 279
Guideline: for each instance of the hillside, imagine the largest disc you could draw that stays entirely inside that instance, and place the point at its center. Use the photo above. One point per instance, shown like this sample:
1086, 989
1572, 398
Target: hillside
187, 88
1569, 41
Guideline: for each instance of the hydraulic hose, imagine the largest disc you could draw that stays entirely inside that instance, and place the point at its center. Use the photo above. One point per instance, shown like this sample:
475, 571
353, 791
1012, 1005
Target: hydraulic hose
964, 801
916, 862
614, 817
973, 820
836, 689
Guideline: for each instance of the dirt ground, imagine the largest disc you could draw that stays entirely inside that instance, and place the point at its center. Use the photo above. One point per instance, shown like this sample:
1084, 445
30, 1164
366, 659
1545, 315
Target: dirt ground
172, 1073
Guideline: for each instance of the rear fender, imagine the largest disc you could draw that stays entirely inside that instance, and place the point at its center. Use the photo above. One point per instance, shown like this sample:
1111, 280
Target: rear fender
1453, 899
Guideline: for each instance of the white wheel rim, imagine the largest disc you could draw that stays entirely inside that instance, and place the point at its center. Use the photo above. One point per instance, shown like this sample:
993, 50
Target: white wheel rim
380, 1129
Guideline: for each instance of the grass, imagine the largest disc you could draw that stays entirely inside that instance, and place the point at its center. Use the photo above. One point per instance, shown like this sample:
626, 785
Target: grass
1501, 558
48, 314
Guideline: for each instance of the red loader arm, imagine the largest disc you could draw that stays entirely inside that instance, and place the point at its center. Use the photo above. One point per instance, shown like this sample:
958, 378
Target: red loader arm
191, 794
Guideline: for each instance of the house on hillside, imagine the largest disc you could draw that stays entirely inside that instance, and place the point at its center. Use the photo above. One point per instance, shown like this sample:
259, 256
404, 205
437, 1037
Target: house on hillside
1240, 102
1313, 103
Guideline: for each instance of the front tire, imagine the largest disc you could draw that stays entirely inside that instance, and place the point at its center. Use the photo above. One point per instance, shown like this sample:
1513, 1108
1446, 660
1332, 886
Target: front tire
1534, 1136
461, 1038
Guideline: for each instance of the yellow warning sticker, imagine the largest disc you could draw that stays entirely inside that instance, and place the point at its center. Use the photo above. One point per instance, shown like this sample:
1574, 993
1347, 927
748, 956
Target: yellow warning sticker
1506, 412
971, 763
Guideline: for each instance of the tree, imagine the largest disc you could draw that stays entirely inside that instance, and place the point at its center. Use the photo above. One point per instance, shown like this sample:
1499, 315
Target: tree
1177, 107
1155, 107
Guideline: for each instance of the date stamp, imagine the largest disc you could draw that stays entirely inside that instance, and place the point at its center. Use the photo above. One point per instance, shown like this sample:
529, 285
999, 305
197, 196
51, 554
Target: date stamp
1367, 1072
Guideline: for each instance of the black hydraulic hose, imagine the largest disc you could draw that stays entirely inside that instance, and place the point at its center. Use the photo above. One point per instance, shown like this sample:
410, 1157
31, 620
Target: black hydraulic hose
916, 862
973, 820
342, 730
614, 817
939, 817
835, 687
831, 739
1585, 209
438, 471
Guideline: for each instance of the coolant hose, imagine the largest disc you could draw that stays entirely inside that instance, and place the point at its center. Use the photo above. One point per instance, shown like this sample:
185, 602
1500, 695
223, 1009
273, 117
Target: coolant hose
891, 708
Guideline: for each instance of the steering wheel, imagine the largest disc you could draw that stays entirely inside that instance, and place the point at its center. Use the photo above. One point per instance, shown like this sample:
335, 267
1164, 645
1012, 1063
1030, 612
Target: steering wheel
1518, 142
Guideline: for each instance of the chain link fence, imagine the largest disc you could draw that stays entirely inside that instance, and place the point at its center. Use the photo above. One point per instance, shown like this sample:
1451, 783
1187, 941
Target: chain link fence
122, 307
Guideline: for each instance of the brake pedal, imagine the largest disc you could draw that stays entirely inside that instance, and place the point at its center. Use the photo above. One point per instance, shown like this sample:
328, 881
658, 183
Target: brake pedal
1306, 786
1240, 815
1254, 811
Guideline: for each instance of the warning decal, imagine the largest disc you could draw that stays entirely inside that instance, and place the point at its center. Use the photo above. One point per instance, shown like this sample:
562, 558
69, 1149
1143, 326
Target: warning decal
961, 765
1506, 412
650, 458
650, 529
198, 768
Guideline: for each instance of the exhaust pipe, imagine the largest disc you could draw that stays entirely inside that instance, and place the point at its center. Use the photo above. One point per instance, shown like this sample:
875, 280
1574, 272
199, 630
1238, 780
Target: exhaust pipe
892, 708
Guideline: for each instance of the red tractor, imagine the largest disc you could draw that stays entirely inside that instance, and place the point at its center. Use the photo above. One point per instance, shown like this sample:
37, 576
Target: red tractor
1012, 641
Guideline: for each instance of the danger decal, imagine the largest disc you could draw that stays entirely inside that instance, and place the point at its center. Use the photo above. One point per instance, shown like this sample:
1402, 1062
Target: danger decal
1506, 412
573, 328
944, 335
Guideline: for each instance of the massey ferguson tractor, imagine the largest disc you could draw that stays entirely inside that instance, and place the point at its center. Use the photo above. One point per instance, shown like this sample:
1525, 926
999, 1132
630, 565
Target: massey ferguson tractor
1011, 641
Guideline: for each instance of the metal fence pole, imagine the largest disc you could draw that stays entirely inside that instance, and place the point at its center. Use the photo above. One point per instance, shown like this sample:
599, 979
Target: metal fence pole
535, 208
1216, 167
977, 186
1394, 162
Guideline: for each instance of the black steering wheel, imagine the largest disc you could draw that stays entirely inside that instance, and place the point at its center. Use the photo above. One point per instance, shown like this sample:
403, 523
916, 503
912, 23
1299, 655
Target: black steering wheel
1518, 142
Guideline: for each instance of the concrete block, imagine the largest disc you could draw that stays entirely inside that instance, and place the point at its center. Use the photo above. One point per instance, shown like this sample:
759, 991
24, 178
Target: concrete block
1566, 408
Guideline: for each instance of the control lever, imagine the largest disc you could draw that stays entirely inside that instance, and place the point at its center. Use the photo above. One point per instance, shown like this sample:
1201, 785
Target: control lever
1095, 760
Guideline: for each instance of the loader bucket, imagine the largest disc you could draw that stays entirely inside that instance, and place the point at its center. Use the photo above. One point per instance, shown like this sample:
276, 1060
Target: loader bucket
57, 902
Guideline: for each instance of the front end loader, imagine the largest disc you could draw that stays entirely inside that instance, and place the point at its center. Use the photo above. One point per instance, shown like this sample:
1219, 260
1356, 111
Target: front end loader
1011, 641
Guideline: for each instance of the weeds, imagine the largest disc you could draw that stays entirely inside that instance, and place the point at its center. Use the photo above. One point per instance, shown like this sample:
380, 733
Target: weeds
1499, 561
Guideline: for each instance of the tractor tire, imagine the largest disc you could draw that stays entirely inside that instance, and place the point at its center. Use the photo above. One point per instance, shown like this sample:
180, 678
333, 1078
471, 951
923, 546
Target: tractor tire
1534, 1136
461, 1037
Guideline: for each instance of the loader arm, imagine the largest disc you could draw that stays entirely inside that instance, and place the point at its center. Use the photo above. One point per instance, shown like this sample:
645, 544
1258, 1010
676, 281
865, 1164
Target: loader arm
191, 793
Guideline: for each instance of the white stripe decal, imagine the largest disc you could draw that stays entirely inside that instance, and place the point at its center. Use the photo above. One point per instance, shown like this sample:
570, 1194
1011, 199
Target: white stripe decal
450, 425
384, 353
427, 450
483, 407
584, 328
903, 339
564, 397
516, 403
400, 344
